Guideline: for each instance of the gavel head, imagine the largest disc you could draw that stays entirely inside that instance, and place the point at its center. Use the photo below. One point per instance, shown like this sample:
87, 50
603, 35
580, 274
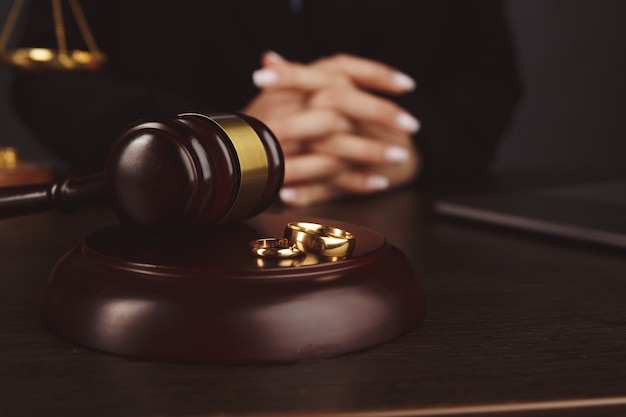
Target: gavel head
193, 169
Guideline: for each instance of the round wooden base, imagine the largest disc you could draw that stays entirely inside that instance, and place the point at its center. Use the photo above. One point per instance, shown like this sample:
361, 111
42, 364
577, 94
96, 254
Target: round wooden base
207, 297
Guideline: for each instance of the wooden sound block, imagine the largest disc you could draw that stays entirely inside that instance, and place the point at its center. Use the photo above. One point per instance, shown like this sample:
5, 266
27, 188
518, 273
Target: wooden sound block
207, 297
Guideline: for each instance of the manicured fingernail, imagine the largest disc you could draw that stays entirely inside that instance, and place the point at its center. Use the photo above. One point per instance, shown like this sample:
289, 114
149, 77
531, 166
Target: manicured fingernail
274, 57
404, 81
408, 123
288, 195
264, 77
377, 182
396, 154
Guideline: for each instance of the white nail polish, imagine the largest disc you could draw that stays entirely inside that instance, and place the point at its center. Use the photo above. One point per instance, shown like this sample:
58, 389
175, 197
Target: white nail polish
396, 154
377, 182
407, 123
264, 77
288, 195
404, 81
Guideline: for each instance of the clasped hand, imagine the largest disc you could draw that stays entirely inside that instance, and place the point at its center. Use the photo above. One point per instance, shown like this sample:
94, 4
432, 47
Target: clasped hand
339, 138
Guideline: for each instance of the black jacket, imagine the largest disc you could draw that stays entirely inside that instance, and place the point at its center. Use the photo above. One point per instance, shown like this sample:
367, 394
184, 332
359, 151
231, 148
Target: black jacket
169, 56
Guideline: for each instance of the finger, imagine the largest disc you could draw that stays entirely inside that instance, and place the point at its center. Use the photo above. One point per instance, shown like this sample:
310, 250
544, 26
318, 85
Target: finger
293, 147
308, 124
271, 58
364, 72
308, 194
368, 73
361, 150
288, 75
363, 106
361, 182
311, 167
344, 184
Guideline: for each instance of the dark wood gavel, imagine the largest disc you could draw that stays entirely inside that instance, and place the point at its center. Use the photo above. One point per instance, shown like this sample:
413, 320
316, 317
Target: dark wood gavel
189, 170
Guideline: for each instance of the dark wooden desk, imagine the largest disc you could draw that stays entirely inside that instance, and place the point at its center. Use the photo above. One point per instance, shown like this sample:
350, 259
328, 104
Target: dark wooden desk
517, 325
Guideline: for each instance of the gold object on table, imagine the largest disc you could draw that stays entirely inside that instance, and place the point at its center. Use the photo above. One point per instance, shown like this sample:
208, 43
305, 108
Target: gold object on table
276, 252
318, 239
45, 59
8, 158
15, 172
274, 248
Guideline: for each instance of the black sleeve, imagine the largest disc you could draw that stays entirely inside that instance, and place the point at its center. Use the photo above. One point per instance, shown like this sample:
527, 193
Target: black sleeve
469, 103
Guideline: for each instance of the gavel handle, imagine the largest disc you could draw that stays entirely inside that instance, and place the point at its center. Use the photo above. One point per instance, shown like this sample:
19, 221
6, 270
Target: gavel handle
65, 193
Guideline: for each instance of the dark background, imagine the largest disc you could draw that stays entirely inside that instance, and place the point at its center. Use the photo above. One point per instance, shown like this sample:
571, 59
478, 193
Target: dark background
573, 116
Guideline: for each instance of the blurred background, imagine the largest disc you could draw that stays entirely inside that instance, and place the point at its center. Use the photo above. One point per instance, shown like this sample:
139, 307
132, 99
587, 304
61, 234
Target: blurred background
572, 56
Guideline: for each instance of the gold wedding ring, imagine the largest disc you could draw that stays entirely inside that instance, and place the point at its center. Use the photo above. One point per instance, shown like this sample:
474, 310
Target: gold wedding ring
318, 239
274, 248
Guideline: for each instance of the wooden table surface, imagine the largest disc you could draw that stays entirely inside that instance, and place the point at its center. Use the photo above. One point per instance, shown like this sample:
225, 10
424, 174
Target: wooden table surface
517, 324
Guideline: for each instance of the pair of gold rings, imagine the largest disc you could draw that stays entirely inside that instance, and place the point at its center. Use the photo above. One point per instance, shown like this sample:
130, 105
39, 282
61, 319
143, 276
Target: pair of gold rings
306, 238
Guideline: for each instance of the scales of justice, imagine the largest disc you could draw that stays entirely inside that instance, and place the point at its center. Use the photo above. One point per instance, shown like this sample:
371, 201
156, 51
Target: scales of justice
195, 271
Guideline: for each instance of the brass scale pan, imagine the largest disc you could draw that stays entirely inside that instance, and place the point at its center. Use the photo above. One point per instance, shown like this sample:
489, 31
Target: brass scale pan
47, 59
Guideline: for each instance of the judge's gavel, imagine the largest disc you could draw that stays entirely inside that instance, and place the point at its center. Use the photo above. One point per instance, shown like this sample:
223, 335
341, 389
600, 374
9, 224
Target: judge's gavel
189, 170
